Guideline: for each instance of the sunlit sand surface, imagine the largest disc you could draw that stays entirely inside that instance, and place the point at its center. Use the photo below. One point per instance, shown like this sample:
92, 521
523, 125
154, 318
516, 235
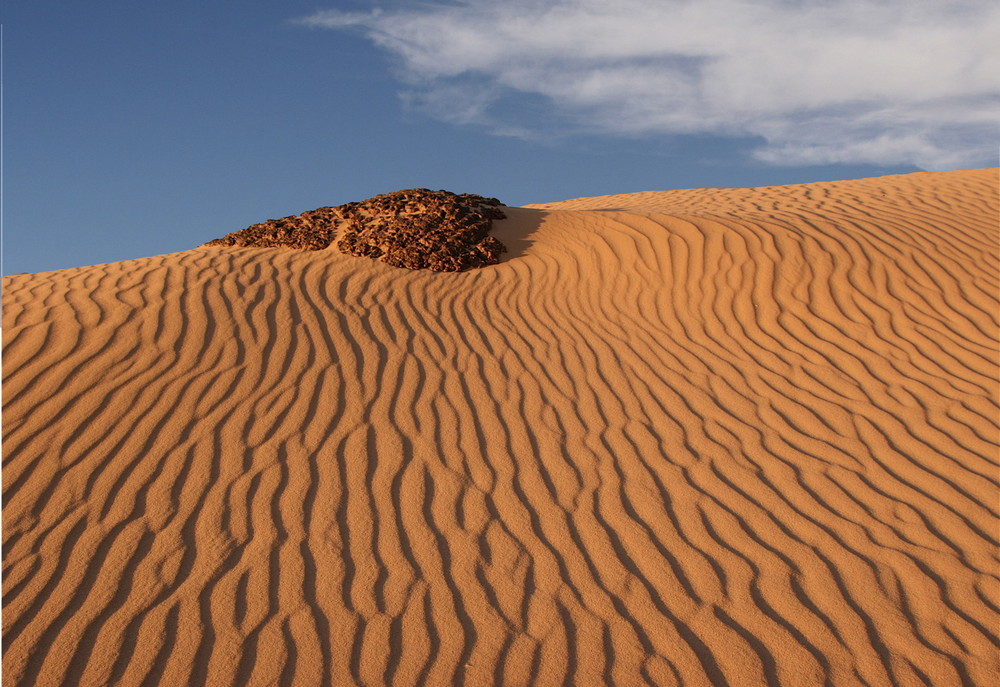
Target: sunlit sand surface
715, 437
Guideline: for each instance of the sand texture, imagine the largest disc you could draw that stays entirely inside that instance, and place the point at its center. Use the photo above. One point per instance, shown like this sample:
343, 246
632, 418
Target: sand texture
704, 437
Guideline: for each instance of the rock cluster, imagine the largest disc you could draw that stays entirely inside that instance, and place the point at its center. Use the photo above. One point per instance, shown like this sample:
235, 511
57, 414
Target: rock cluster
313, 230
415, 228
422, 229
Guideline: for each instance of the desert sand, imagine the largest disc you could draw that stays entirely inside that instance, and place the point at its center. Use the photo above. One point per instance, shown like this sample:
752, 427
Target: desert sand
726, 437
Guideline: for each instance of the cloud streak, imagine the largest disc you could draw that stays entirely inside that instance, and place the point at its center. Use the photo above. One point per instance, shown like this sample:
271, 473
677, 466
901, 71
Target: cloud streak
873, 81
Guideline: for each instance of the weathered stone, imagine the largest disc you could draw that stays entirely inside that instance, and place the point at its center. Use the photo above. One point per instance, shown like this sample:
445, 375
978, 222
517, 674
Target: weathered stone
415, 229
313, 230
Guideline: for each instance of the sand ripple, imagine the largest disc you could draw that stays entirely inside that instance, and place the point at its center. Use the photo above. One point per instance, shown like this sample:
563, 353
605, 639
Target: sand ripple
709, 437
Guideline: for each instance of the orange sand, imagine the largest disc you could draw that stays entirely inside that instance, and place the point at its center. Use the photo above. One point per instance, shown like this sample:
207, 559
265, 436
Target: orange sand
707, 437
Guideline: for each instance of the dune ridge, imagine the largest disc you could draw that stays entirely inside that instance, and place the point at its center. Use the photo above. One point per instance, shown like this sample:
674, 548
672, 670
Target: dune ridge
714, 437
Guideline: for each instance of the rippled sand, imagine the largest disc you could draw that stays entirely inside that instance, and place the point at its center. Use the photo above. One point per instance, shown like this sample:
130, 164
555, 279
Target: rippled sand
704, 437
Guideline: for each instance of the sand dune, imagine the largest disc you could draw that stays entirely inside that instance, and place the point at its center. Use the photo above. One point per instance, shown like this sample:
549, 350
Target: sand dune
709, 437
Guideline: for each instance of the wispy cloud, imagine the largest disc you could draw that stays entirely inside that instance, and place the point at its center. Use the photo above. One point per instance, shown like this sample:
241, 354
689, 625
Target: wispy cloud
881, 81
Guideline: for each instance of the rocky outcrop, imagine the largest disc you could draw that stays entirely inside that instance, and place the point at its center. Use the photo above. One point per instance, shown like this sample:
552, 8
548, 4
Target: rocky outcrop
422, 229
415, 229
313, 230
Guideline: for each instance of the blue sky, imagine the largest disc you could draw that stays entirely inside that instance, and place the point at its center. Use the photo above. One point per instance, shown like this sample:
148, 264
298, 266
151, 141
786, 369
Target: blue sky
135, 128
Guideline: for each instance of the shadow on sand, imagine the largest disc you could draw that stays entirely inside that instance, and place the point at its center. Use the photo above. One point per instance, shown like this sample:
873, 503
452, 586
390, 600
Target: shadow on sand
516, 232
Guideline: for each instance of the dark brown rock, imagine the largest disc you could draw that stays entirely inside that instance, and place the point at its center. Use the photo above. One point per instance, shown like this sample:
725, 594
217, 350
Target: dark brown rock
313, 230
423, 229
415, 229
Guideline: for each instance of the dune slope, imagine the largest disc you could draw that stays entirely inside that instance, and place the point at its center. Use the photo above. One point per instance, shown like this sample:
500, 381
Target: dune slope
708, 437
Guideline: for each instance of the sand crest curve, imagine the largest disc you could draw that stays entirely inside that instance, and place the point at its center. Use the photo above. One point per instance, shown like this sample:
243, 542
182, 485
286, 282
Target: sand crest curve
719, 437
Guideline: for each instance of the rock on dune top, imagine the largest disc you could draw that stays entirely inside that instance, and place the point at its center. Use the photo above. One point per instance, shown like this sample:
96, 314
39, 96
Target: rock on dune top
415, 228
422, 229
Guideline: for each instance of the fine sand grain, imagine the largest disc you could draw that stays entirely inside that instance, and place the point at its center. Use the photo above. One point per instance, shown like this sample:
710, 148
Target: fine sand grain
729, 437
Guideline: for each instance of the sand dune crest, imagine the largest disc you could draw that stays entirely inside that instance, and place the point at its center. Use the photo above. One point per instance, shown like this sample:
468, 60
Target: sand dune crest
707, 437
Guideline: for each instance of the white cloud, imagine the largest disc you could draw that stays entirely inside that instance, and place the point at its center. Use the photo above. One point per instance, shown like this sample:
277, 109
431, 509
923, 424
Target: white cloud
881, 81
